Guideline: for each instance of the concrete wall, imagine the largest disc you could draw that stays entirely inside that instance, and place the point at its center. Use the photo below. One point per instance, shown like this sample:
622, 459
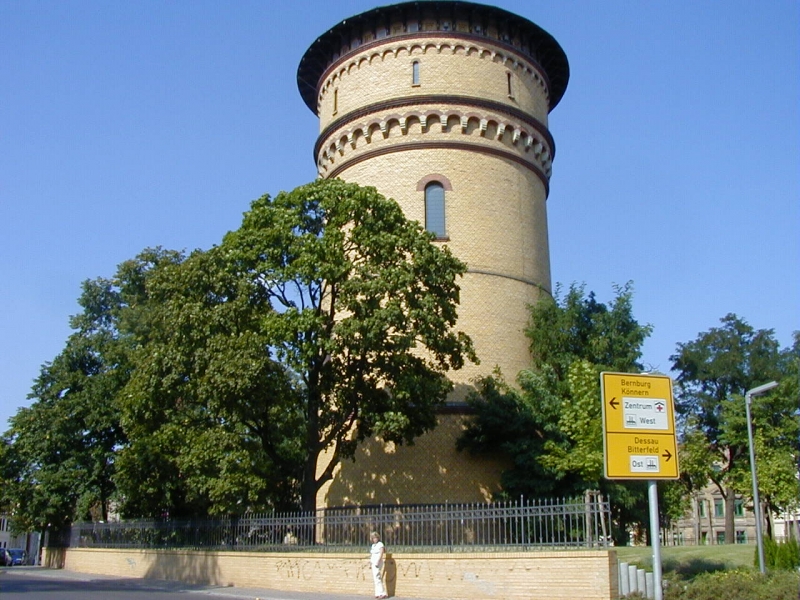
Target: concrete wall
587, 575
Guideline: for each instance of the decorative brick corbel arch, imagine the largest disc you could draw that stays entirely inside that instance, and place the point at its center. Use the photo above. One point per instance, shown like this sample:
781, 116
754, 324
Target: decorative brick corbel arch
437, 178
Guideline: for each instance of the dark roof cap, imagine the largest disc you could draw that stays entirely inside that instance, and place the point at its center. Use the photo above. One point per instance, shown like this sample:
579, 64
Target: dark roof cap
536, 43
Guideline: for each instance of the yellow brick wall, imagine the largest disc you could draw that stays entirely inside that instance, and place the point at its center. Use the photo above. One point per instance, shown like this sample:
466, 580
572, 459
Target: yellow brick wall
497, 224
588, 575
430, 471
453, 66
494, 150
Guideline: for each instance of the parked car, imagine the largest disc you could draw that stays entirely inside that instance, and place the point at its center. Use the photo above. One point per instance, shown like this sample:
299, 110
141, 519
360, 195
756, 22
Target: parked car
16, 556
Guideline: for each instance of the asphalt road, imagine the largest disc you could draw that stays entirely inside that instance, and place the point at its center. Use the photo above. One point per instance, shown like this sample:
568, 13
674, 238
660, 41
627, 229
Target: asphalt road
38, 583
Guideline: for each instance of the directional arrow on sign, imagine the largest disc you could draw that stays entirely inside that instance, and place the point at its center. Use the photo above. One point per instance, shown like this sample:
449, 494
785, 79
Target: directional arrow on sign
613, 403
667, 455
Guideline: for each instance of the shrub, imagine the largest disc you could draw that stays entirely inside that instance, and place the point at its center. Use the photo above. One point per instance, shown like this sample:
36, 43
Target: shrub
784, 555
736, 585
788, 555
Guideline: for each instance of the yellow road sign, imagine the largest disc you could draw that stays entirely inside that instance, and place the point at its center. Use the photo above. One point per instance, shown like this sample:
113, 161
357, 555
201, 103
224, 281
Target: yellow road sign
639, 439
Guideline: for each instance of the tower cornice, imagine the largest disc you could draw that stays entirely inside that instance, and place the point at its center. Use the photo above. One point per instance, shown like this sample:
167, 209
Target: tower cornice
436, 99
454, 18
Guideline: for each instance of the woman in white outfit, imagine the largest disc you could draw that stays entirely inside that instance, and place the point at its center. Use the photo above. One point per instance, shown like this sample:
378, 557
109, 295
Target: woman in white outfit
376, 554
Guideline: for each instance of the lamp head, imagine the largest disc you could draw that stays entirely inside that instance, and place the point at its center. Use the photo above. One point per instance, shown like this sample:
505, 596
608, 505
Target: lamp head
761, 389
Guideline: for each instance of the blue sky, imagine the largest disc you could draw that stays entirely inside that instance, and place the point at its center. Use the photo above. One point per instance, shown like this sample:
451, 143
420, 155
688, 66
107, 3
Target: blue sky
125, 125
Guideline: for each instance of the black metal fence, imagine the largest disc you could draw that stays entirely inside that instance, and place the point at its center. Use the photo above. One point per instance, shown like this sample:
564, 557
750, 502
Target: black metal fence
522, 524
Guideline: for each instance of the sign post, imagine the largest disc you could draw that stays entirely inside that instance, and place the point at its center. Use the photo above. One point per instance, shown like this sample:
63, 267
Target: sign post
639, 440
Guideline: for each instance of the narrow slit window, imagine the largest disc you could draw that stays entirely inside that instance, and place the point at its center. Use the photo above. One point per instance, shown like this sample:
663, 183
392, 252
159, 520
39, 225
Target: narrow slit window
508, 82
434, 209
335, 100
415, 73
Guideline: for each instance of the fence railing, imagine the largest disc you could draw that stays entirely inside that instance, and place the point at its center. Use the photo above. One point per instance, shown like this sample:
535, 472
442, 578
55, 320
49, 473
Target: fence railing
522, 524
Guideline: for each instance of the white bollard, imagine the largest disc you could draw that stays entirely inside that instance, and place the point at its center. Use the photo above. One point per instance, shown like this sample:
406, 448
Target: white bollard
624, 587
640, 585
649, 582
632, 581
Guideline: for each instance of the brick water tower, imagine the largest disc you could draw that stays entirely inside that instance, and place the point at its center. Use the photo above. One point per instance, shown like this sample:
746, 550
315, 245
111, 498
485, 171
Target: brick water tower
444, 107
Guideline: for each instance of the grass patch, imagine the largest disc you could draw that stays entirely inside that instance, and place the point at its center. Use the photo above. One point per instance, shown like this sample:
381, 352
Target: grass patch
689, 561
715, 573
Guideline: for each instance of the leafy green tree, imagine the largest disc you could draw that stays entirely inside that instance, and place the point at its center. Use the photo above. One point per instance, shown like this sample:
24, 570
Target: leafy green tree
714, 372
580, 422
577, 327
776, 432
327, 317
59, 453
550, 429
508, 425
213, 421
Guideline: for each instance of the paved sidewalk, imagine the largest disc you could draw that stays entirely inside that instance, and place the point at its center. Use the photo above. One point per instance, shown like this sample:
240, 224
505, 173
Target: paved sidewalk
200, 590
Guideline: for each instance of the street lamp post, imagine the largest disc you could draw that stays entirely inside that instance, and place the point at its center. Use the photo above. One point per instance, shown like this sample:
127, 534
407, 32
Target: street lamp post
756, 391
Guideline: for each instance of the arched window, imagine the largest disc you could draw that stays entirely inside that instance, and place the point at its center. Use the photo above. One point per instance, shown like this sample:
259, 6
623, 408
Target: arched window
415, 73
434, 209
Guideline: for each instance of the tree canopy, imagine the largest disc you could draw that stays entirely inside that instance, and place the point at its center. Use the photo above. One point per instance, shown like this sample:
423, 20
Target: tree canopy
58, 457
327, 317
714, 372
237, 378
204, 409
550, 427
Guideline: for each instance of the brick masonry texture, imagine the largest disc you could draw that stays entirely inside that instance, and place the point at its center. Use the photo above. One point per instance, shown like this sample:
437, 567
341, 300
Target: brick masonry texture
497, 224
567, 575
431, 468
478, 119
447, 66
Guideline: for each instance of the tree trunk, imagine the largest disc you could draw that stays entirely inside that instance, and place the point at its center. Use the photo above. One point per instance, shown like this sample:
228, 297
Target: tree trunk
712, 539
770, 523
730, 509
587, 525
696, 519
308, 488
